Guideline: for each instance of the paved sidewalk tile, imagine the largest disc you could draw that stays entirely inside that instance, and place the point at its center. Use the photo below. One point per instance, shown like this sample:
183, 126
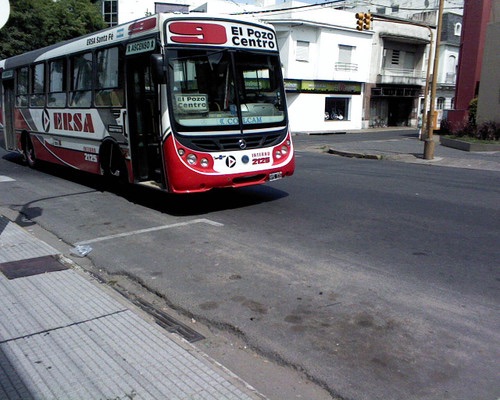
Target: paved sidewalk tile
17, 244
63, 337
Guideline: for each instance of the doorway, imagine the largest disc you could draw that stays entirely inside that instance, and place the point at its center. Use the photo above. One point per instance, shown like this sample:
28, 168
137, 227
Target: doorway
143, 120
8, 102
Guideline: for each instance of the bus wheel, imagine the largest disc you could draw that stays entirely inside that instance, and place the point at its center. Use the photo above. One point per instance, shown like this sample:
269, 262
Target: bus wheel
29, 152
113, 163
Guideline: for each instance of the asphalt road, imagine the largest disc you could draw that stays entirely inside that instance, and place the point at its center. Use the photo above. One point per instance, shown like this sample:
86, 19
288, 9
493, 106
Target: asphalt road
377, 279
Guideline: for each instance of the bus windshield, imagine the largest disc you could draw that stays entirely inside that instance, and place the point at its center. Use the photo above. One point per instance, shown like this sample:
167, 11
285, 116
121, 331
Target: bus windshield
225, 90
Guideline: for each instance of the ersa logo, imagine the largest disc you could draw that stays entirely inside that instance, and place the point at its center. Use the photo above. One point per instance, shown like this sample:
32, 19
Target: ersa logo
68, 121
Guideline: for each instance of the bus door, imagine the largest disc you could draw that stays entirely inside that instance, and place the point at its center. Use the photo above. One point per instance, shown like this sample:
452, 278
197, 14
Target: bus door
8, 104
143, 120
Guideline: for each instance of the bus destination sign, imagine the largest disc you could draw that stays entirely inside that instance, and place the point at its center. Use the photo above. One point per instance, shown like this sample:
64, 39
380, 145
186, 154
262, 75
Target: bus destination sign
221, 33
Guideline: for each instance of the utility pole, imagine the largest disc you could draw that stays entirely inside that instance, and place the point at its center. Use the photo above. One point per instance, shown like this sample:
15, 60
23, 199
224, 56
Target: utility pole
429, 140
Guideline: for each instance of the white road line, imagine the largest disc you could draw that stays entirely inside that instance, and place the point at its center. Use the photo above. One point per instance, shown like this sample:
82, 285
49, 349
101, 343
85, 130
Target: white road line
4, 178
147, 230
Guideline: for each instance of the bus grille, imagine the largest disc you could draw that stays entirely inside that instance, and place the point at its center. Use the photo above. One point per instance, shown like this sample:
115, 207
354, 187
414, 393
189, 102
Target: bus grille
233, 143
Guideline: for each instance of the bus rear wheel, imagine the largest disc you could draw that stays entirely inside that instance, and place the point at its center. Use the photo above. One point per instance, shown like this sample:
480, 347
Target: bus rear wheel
113, 163
29, 152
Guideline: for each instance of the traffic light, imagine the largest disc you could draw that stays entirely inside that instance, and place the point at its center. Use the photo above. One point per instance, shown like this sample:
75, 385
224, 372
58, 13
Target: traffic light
360, 21
367, 19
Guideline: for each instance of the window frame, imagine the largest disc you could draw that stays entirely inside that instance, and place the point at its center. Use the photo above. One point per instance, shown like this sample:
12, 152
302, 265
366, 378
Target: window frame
302, 51
339, 113
22, 96
85, 92
106, 92
51, 90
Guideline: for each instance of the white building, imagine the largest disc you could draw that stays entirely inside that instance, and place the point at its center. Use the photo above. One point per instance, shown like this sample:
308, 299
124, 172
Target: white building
326, 62
339, 78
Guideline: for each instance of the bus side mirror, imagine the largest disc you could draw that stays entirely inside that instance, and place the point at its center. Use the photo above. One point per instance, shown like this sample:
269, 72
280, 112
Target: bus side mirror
158, 69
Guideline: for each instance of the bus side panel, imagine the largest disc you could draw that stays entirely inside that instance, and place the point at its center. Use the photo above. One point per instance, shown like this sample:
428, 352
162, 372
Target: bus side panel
77, 159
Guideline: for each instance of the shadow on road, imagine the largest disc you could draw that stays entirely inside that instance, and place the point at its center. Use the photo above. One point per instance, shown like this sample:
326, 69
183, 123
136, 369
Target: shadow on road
172, 204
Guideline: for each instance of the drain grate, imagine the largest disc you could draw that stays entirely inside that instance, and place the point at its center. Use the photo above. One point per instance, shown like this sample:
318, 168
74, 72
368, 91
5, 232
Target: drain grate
169, 323
30, 267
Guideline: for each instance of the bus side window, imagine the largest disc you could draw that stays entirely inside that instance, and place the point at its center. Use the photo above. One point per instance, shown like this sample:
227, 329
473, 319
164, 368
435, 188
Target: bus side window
22, 87
81, 80
57, 84
109, 84
37, 97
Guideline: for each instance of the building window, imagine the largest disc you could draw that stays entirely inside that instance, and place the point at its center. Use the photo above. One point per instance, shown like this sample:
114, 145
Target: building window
345, 59
458, 29
440, 103
110, 12
302, 51
336, 109
395, 57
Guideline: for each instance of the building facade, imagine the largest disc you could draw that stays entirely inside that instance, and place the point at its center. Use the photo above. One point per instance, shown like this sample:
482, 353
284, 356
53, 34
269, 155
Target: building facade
326, 63
477, 14
337, 77
488, 107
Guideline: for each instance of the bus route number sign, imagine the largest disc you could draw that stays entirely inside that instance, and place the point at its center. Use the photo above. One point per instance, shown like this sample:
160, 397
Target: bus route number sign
191, 102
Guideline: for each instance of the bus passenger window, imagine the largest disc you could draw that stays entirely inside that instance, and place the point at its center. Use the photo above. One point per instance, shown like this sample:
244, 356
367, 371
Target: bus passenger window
22, 87
109, 87
57, 84
37, 98
81, 80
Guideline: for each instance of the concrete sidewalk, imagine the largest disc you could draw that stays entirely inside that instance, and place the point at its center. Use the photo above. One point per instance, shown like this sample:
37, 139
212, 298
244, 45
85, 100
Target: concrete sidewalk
65, 336
410, 149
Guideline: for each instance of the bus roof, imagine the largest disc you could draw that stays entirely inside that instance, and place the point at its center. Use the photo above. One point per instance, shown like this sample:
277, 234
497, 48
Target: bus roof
117, 34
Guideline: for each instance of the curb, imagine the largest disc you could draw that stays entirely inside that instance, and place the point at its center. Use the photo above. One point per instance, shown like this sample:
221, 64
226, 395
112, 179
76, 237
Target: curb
355, 155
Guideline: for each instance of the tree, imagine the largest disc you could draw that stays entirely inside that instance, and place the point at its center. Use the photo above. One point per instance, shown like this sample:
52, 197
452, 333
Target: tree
38, 23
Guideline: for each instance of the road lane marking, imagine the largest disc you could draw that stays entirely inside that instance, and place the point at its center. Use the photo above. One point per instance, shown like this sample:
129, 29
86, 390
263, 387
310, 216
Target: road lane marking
148, 230
4, 178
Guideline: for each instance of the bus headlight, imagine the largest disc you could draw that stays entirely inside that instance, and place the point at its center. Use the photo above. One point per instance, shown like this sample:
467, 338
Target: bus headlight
204, 162
284, 150
181, 152
191, 159
277, 154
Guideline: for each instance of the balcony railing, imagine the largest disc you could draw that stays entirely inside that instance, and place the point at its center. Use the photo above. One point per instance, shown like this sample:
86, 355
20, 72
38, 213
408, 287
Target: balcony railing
340, 66
401, 76
451, 78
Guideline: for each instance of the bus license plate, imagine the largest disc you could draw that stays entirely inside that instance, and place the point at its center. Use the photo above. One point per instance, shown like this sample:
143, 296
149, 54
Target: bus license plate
275, 176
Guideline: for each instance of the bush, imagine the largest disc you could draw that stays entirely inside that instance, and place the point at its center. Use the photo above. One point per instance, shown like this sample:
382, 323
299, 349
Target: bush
473, 111
469, 129
488, 131
445, 127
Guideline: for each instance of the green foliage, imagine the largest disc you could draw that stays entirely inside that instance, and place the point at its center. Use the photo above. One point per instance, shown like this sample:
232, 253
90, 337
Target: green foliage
488, 131
473, 111
38, 23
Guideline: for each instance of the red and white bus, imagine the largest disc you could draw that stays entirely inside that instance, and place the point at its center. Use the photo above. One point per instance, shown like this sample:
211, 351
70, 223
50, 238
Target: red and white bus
181, 103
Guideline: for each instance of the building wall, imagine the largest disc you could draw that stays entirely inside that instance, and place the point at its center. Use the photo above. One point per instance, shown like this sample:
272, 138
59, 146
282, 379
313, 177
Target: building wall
307, 113
476, 17
324, 30
488, 108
